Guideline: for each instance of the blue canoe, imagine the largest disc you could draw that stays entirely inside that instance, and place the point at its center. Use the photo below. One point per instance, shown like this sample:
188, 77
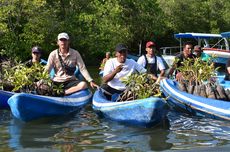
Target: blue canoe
28, 107
4, 96
143, 112
222, 82
194, 105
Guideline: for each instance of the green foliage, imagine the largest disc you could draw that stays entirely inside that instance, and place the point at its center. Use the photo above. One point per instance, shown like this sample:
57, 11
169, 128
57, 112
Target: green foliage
98, 25
104, 23
139, 86
99, 28
209, 16
145, 19
15, 16
197, 70
28, 79
5, 70
23, 78
3, 52
183, 16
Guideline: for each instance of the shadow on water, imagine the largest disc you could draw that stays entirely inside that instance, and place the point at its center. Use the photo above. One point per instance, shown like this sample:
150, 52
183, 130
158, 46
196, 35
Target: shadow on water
35, 134
42, 132
158, 140
85, 131
121, 137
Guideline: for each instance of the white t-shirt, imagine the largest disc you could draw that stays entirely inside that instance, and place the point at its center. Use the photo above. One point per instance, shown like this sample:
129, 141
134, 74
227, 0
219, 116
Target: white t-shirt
142, 62
130, 66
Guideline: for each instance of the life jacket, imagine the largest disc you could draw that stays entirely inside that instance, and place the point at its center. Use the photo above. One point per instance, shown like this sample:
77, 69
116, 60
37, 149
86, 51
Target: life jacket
151, 67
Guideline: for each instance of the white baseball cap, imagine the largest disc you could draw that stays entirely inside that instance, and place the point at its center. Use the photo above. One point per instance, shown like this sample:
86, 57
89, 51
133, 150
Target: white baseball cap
63, 36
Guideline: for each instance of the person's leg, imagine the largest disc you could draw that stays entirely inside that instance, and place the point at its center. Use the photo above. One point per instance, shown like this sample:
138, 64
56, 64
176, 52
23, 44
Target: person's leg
109, 91
80, 86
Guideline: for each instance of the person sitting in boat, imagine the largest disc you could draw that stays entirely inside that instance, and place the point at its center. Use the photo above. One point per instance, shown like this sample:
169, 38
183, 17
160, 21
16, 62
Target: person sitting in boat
117, 68
107, 57
227, 75
36, 57
186, 54
151, 62
64, 61
199, 53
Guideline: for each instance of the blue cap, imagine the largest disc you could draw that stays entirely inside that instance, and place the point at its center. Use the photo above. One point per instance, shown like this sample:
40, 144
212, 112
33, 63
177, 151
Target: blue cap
36, 49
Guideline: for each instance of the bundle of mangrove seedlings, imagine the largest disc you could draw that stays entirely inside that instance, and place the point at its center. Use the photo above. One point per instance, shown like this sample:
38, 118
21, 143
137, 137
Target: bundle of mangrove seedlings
207, 90
139, 86
34, 79
197, 79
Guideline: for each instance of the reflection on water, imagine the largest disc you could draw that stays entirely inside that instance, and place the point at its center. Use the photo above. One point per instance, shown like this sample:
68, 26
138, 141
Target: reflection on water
85, 131
107, 135
189, 132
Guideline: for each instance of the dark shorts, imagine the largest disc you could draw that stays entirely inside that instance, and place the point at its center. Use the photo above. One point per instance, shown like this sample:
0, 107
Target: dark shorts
109, 91
68, 84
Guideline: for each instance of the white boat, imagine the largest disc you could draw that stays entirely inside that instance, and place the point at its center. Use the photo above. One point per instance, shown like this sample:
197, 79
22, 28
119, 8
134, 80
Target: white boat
220, 49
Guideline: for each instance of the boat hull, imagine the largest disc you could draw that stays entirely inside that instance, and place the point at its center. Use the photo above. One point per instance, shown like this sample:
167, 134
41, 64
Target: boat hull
27, 107
221, 56
194, 105
144, 112
4, 96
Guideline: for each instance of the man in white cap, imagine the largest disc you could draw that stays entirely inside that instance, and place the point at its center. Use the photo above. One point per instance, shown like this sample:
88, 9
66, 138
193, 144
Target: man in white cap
64, 61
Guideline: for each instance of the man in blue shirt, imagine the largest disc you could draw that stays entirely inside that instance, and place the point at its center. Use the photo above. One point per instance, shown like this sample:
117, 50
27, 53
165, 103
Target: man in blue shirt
199, 53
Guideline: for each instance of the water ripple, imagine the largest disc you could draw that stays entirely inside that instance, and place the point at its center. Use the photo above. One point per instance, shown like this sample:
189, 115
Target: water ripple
189, 131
